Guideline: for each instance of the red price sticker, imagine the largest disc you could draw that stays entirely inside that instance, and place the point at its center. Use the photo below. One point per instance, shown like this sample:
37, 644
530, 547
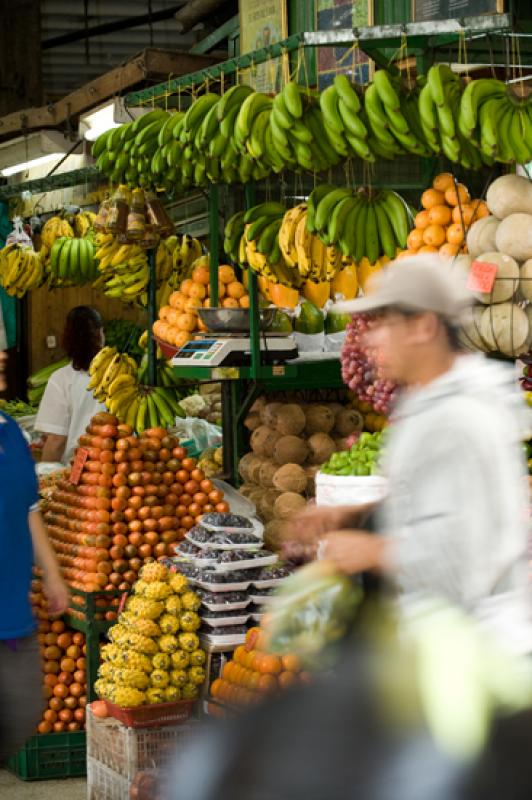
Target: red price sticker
77, 467
482, 277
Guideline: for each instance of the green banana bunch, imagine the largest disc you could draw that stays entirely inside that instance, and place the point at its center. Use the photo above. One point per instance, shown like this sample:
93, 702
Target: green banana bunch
72, 262
497, 121
233, 233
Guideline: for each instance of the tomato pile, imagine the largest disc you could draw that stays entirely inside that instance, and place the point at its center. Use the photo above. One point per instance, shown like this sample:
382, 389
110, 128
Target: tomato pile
65, 678
135, 499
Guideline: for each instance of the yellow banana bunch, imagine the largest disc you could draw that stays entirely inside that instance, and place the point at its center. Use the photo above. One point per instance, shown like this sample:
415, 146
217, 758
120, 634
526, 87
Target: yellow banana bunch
83, 223
21, 269
123, 268
55, 228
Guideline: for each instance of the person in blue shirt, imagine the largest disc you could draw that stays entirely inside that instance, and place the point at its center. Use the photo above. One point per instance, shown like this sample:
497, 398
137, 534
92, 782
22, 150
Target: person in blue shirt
23, 542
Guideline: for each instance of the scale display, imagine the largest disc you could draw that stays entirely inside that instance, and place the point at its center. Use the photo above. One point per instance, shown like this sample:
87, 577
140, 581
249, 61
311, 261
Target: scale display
215, 351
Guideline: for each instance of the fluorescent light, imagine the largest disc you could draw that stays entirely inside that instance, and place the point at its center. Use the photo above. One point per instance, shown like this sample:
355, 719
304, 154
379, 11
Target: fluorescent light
97, 122
34, 162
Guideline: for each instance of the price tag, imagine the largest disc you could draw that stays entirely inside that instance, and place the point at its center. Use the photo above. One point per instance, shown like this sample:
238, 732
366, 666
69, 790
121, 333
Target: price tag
482, 277
77, 467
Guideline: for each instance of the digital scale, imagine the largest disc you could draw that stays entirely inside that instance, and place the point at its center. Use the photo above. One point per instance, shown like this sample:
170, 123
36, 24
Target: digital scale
234, 349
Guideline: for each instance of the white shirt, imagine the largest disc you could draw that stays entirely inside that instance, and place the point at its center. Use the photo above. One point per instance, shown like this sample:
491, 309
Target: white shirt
67, 407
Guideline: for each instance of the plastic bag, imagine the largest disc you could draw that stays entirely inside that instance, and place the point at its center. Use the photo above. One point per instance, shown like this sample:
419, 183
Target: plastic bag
204, 433
18, 235
311, 613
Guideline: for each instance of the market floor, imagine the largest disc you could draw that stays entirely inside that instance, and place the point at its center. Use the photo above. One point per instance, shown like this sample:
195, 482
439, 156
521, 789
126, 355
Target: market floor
11, 788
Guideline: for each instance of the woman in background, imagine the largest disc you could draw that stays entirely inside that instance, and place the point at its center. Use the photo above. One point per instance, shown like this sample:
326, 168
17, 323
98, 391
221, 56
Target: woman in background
67, 406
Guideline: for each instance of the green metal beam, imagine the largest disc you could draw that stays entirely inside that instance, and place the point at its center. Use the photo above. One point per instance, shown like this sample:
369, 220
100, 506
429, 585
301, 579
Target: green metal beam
61, 180
216, 36
215, 72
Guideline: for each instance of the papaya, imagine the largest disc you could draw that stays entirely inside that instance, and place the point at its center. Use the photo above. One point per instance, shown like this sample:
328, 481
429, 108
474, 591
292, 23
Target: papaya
345, 283
283, 296
264, 287
365, 270
280, 323
310, 319
335, 323
317, 293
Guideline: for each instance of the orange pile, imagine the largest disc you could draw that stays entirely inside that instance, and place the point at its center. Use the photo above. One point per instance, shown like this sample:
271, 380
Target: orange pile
136, 497
65, 679
179, 320
442, 225
253, 672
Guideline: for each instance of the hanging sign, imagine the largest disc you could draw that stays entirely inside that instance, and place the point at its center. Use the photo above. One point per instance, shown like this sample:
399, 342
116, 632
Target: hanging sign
428, 10
262, 23
77, 467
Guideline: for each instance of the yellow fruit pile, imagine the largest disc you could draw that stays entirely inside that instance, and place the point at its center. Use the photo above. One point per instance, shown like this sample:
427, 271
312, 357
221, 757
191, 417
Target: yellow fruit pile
179, 320
442, 224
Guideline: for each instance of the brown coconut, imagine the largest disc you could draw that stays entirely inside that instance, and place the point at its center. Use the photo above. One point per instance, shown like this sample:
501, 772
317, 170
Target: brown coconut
311, 473
255, 496
254, 470
275, 533
252, 421
290, 450
290, 478
288, 504
246, 488
290, 420
266, 504
266, 474
268, 414
320, 419
258, 405
263, 440
245, 464
321, 448
348, 421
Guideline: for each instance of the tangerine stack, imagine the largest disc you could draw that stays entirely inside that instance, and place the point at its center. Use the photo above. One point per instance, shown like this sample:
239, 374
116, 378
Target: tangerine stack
447, 213
131, 501
179, 320
253, 672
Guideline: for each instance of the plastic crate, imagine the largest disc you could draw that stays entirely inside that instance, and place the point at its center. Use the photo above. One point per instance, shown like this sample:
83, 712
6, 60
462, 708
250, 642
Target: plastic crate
149, 716
130, 750
88, 610
104, 783
52, 755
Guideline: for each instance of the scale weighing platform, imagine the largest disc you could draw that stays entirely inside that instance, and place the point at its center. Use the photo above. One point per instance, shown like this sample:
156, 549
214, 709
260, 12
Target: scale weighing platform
234, 350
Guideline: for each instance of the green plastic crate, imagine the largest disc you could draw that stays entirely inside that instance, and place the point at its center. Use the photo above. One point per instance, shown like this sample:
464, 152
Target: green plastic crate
52, 755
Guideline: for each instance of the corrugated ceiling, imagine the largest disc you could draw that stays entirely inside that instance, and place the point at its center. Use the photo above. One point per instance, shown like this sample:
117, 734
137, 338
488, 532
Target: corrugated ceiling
69, 66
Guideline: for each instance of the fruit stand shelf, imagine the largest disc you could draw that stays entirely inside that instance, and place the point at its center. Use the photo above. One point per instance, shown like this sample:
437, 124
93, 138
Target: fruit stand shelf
61, 180
283, 377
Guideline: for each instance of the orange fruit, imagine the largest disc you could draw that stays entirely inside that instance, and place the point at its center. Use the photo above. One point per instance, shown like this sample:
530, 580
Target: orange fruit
440, 215
187, 322
448, 250
239, 654
222, 290
455, 234
235, 290
267, 683
427, 248
481, 208
207, 302
201, 275
180, 338
406, 254
291, 663
228, 670
172, 317
286, 680
244, 301
465, 213
191, 304
198, 290
434, 235
176, 300
456, 195
226, 274
58, 626
431, 197
421, 220
186, 286
230, 302
415, 239
443, 181
164, 311
271, 664
215, 687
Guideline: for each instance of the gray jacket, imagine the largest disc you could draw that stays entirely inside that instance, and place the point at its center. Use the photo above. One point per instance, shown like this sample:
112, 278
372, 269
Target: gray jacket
457, 510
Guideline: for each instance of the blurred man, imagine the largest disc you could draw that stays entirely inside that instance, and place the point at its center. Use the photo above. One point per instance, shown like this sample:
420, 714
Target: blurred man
454, 523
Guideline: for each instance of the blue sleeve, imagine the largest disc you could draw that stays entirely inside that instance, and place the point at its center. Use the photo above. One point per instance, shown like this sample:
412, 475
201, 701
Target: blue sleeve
27, 465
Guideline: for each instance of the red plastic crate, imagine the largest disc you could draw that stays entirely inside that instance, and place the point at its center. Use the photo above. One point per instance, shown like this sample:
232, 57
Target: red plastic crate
160, 714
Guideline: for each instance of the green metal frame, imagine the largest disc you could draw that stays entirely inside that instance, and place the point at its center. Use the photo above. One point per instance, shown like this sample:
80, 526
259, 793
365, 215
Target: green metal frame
61, 180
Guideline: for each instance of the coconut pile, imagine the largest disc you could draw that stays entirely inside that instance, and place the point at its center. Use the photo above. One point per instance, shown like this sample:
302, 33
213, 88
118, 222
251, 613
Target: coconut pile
502, 320
289, 442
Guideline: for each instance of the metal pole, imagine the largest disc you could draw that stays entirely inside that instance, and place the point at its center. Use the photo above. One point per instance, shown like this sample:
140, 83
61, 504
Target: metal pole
214, 241
152, 316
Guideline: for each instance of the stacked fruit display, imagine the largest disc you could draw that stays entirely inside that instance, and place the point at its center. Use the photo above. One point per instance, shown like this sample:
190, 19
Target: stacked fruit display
114, 380
500, 322
447, 214
63, 653
245, 135
359, 370
154, 655
316, 247
179, 320
289, 441
254, 672
360, 460
135, 497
